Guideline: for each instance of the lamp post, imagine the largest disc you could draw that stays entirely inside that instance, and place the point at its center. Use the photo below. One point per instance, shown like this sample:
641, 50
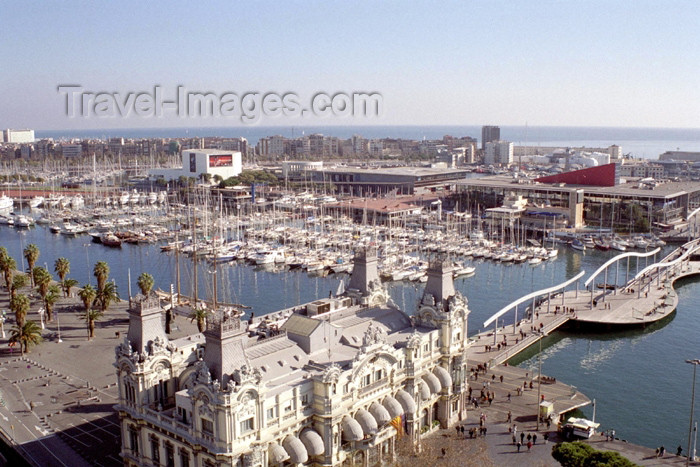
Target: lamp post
539, 378
695, 363
58, 324
3, 317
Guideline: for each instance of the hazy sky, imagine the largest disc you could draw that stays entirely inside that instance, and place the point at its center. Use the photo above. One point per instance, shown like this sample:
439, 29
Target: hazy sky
588, 63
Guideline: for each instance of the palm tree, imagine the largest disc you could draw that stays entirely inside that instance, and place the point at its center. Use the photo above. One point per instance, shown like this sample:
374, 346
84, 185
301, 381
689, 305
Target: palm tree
145, 283
50, 300
90, 316
107, 295
31, 254
28, 333
87, 294
101, 272
18, 281
62, 268
19, 304
42, 279
8, 266
199, 314
68, 284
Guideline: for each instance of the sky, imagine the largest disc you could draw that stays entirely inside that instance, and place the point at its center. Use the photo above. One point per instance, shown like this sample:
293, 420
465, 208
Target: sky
547, 63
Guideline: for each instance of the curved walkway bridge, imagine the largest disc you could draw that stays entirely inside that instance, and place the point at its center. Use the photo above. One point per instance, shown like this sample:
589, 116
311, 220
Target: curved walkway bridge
645, 298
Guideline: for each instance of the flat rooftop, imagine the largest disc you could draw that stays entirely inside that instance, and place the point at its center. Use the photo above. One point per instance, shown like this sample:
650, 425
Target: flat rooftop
662, 190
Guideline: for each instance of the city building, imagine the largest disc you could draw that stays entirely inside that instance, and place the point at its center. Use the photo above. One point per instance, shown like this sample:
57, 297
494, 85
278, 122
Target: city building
18, 136
680, 156
196, 163
489, 133
296, 170
72, 150
389, 180
335, 382
498, 153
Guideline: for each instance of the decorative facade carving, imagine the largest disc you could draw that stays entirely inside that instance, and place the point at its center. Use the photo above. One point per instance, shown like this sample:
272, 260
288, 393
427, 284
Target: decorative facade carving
331, 373
246, 374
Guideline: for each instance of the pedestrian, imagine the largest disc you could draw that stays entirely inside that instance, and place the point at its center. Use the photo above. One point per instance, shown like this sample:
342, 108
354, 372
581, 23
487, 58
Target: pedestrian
493, 377
662, 451
529, 446
484, 429
501, 378
612, 435
519, 444
510, 417
546, 438
515, 429
529, 437
444, 452
522, 437
679, 450
508, 397
457, 429
461, 430
534, 438
515, 440
530, 384
31, 405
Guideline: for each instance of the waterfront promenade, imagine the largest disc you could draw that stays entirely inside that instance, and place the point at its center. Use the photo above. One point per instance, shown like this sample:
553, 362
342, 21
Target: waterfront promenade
57, 400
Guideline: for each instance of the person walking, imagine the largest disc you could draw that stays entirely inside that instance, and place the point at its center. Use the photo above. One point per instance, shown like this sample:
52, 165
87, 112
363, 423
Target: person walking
522, 437
519, 445
529, 446
534, 438
510, 417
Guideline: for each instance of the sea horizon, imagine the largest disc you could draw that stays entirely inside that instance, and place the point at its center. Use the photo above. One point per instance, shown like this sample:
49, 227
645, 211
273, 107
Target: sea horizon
642, 142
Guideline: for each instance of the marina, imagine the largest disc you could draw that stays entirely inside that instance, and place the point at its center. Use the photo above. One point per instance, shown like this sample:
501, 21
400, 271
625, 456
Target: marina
253, 287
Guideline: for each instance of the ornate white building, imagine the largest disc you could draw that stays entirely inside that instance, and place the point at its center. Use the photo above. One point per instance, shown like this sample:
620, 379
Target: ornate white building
337, 383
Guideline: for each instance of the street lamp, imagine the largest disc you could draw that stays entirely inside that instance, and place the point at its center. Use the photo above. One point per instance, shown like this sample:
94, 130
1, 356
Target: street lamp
58, 324
695, 363
3, 317
539, 378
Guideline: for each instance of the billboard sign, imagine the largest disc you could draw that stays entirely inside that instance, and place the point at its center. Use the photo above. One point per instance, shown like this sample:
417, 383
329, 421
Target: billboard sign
221, 160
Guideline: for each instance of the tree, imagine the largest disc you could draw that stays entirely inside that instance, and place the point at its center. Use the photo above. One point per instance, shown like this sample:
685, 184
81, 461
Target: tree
42, 279
19, 305
18, 281
101, 272
27, 334
31, 254
572, 454
145, 283
62, 268
87, 295
8, 266
50, 300
67, 285
608, 459
200, 315
90, 316
107, 295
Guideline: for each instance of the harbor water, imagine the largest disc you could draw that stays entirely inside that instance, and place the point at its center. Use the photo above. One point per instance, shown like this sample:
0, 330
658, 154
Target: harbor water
639, 379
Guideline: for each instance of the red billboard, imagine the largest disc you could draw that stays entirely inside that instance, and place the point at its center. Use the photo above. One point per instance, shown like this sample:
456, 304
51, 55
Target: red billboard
221, 160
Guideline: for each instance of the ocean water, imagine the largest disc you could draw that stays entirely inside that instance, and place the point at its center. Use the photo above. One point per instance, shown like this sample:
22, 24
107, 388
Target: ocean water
639, 379
647, 143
